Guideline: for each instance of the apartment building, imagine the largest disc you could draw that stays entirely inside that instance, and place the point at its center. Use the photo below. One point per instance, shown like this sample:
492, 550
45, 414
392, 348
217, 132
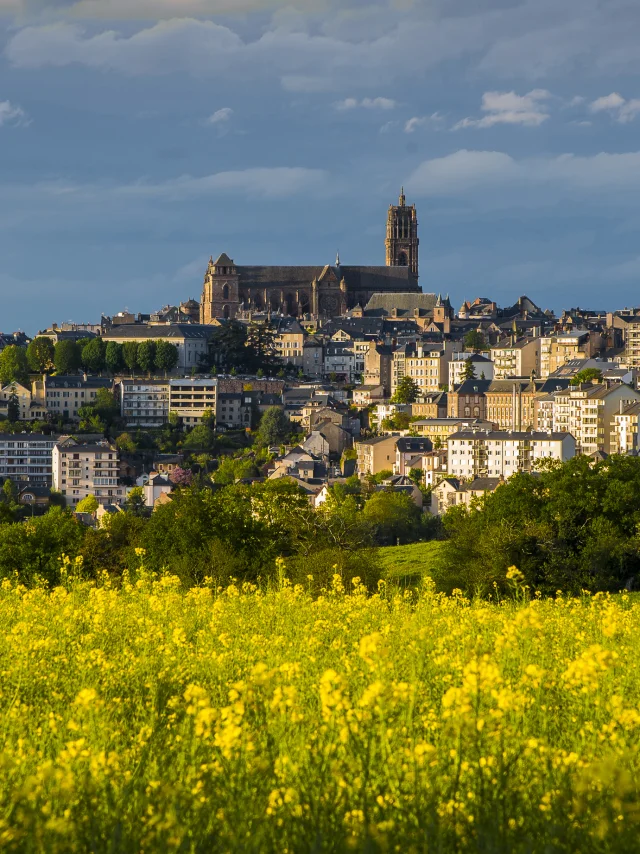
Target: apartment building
482, 368
408, 448
63, 396
427, 364
144, 403
91, 469
26, 458
191, 398
557, 350
376, 455
498, 453
628, 322
518, 358
289, 342
233, 410
313, 357
625, 429
378, 361
339, 359
587, 412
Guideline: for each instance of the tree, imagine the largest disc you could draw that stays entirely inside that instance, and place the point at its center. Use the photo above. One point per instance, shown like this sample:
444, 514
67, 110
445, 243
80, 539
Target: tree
417, 476
134, 503
93, 355
125, 443
261, 346
201, 438
475, 340
394, 515
166, 357
587, 376
469, 371
407, 391
181, 477
67, 356
146, 355
274, 427
87, 505
40, 355
130, 355
228, 345
113, 357
14, 367
13, 406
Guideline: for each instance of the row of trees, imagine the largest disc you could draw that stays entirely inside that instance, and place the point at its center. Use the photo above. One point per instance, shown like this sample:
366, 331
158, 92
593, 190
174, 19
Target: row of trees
91, 354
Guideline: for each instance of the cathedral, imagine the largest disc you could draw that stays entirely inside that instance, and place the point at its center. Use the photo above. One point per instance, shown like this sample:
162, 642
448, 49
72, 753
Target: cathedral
231, 290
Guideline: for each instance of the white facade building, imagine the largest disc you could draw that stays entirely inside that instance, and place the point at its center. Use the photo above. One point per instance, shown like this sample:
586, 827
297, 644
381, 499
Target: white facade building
82, 470
500, 453
144, 403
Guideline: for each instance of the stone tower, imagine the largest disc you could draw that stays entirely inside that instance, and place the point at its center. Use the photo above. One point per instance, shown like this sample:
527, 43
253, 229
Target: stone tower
220, 291
402, 235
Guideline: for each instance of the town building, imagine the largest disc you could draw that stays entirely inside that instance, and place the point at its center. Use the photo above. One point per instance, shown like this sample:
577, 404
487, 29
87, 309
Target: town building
468, 399
144, 403
190, 339
451, 492
482, 368
191, 398
587, 412
516, 358
427, 364
28, 409
557, 350
624, 438
409, 453
63, 396
496, 453
26, 458
376, 455
90, 469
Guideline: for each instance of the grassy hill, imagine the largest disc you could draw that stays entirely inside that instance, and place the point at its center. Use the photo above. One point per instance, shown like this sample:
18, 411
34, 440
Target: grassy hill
406, 565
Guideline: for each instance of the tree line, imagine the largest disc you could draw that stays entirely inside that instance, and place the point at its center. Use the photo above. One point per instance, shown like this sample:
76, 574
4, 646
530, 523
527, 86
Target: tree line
93, 355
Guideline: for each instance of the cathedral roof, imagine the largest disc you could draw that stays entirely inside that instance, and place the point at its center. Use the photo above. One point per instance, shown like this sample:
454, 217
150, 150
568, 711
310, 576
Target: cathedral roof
223, 261
403, 302
356, 278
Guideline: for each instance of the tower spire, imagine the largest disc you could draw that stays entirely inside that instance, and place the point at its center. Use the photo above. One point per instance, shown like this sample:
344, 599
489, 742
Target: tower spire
338, 258
402, 199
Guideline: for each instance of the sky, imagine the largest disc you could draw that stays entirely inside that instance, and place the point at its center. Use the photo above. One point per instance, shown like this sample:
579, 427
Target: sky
139, 137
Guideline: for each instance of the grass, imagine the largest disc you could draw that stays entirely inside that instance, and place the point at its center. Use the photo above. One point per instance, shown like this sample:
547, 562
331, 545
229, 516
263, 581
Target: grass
147, 718
408, 565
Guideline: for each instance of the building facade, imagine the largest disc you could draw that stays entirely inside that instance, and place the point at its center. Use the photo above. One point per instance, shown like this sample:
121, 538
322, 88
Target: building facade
498, 453
26, 458
144, 403
402, 236
83, 470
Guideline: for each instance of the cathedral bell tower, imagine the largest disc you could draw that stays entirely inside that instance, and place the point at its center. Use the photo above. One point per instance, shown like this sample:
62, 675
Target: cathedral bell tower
402, 235
220, 291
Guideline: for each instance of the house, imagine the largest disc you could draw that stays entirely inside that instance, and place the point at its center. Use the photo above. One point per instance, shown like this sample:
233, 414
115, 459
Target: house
434, 466
401, 483
376, 455
365, 395
28, 409
156, 486
409, 450
378, 360
451, 492
482, 368
35, 496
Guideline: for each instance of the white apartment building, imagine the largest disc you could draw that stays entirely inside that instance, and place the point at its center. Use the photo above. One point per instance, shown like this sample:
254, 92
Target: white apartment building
625, 429
82, 470
458, 366
587, 412
427, 364
191, 398
144, 403
501, 453
26, 458
516, 358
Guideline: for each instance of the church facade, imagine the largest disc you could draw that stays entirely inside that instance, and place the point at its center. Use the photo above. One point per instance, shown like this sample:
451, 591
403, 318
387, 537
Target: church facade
320, 292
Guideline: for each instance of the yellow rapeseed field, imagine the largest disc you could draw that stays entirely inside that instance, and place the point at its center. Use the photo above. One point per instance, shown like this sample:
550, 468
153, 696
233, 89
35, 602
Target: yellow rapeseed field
144, 717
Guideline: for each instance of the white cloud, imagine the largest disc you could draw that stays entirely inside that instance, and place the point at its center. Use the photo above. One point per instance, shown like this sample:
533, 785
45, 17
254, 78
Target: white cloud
12, 114
412, 124
607, 102
622, 110
509, 108
464, 172
269, 183
366, 103
220, 117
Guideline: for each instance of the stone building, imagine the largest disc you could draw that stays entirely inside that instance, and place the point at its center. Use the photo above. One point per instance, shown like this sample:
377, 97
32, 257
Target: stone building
315, 291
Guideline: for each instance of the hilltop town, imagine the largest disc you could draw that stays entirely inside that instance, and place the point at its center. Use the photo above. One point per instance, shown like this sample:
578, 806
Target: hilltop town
344, 371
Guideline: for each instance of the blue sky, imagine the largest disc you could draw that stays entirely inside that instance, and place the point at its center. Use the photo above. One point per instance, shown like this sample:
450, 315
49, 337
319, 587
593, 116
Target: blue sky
137, 137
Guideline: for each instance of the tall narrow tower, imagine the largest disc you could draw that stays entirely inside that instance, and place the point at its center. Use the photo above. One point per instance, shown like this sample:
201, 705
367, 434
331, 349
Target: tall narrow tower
402, 235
